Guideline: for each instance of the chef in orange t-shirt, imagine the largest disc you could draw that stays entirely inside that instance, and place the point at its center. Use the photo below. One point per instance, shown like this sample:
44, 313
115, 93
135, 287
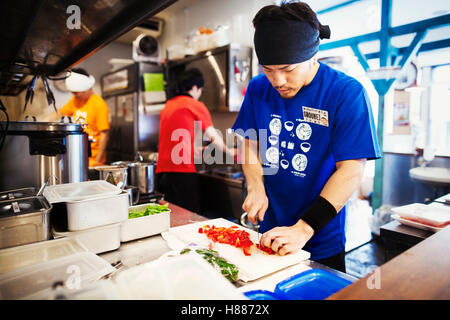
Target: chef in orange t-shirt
88, 108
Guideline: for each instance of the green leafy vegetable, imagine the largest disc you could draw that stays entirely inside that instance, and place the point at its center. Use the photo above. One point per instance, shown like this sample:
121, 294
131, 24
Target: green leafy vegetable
150, 210
185, 251
230, 271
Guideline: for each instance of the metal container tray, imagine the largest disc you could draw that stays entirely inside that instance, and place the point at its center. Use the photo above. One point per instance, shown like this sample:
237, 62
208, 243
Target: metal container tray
17, 194
24, 221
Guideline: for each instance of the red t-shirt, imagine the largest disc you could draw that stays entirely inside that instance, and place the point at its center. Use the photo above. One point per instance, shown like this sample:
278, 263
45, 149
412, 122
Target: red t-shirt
176, 133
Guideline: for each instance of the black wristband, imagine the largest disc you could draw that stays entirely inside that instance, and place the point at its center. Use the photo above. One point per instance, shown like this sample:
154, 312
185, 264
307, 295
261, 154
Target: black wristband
319, 214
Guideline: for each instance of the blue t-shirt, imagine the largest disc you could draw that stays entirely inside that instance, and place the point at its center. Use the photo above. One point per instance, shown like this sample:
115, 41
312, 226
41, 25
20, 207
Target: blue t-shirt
301, 139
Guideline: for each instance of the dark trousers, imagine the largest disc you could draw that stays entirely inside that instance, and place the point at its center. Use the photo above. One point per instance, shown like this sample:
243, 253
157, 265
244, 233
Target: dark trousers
182, 189
336, 262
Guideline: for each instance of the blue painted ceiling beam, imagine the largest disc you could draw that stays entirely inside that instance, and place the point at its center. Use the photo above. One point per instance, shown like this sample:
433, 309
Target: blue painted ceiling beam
428, 46
422, 25
385, 39
338, 6
393, 31
361, 58
413, 48
350, 41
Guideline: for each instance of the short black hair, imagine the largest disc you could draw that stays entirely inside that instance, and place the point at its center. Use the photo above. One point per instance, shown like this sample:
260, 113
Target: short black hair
190, 78
80, 71
292, 10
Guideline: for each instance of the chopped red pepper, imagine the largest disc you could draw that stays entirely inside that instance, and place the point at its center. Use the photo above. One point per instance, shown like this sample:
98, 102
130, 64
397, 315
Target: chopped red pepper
232, 236
265, 249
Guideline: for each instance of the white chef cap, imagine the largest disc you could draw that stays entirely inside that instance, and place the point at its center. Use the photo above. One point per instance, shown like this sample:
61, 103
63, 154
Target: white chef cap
78, 82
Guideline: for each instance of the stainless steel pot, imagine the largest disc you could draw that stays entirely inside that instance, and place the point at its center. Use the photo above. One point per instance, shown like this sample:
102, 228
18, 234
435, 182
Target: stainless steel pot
34, 151
125, 164
143, 176
117, 175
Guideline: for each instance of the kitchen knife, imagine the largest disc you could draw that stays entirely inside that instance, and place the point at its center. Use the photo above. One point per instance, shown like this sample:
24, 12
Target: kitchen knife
257, 227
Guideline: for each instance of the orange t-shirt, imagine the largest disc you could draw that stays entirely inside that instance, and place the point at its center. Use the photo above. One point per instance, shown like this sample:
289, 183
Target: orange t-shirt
176, 133
93, 113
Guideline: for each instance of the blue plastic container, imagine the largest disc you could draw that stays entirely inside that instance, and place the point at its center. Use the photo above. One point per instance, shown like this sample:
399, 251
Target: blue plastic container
263, 295
314, 284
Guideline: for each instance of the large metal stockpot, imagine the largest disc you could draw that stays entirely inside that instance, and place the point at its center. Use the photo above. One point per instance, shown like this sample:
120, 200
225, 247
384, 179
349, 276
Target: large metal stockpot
35, 151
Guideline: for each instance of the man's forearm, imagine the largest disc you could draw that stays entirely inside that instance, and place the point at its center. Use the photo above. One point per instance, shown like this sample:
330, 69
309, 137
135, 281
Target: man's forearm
251, 165
217, 140
103, 141
344, 182
336, 192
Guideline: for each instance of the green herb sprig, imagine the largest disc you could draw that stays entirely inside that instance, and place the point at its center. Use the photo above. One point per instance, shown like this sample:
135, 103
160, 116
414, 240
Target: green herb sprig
229, 270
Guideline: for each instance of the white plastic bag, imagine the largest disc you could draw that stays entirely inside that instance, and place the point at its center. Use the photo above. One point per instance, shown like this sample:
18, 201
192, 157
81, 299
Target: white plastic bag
380, 217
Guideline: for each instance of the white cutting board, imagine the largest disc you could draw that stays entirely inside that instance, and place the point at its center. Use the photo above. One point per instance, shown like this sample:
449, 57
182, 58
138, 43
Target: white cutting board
253, 267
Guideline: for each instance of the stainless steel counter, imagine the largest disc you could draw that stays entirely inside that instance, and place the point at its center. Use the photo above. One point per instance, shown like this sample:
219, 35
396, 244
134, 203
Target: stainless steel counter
141, 251
145, 250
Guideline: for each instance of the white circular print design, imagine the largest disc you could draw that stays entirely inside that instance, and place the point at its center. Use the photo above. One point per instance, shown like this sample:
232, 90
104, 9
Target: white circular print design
303, 131
272, 155
299, 162
275, 126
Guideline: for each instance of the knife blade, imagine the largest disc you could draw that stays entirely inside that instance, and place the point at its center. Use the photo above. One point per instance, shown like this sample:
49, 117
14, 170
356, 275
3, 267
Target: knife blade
257, 227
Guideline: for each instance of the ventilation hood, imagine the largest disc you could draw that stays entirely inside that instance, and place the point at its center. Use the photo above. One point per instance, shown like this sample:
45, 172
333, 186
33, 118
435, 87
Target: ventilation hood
42, 37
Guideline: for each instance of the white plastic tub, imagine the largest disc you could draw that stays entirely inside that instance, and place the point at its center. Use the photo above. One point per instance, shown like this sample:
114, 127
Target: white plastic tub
35, 253
35, 282
97, 240
146, 226
91, 213
80, 191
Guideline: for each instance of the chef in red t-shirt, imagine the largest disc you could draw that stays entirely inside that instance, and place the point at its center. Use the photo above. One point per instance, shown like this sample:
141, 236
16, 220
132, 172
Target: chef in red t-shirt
181, 119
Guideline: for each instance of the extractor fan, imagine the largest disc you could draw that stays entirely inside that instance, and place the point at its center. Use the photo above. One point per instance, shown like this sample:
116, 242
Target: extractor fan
146, 49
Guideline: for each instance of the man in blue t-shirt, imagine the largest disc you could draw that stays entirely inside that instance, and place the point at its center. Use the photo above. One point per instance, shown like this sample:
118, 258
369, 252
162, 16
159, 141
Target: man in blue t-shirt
308, 132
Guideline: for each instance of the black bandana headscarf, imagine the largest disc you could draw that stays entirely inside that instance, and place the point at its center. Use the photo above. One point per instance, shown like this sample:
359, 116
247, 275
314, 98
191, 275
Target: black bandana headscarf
287, 41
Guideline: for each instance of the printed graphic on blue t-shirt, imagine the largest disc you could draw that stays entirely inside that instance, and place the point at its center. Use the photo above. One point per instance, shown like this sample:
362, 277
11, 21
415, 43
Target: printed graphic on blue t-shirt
301, 139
